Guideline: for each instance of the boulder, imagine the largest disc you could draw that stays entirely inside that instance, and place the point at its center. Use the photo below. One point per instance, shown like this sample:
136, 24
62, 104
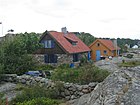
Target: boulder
23, 81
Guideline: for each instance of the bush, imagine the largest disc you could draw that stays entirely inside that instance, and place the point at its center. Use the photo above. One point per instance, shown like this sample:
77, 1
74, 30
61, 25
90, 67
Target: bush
130, 64
1, 72
82, 75
40, 101
129, 56
92, 74
30, 93
45, 67
67, 75
2, 100
16, 55
63, 66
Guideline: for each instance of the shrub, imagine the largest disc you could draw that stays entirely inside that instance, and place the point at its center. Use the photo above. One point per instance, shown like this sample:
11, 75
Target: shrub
129, 56
92, 74
82, 75
30, 93
63, 66
16, 55
67, 75
45, 67
1, 71
40, 101
130, 64
2, 100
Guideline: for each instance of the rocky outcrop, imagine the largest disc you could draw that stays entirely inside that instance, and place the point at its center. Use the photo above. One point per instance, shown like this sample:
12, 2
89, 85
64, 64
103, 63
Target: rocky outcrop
121, 88
9, 90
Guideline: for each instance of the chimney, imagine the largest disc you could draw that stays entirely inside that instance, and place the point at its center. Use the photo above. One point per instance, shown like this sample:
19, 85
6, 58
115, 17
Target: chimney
64, 30
115, 43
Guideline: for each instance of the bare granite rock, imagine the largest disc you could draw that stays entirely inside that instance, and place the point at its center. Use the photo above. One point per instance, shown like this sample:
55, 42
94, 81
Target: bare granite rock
9, 90
120, 88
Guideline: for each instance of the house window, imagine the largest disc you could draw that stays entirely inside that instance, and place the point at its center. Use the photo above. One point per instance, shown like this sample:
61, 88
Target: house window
50, 58
75, 57
49, 44
98, 44
112, 52
105, 52
74, 43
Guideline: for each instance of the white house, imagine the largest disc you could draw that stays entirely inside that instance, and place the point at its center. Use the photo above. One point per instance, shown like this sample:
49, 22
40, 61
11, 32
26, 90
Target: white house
135, 46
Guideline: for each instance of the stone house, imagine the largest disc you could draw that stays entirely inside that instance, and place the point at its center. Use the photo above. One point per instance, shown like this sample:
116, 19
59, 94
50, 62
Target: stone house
102, 48
61, 48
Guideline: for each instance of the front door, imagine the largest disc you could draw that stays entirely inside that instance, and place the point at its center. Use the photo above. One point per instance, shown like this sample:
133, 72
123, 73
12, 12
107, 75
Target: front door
50, 58
98, 55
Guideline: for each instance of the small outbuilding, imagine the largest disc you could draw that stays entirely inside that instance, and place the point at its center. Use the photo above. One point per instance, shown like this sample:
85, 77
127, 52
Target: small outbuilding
102, 48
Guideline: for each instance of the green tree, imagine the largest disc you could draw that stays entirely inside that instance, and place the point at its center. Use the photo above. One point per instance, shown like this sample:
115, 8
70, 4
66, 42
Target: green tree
86, 38
16, 54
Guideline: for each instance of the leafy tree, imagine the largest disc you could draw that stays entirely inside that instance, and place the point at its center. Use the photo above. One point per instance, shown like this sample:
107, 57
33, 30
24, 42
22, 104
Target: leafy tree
16, 53
86, 38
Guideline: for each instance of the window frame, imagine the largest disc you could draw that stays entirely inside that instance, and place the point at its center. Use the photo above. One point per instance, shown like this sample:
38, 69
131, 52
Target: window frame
75, 57
49, 43
50, 58
98, 44
105, 51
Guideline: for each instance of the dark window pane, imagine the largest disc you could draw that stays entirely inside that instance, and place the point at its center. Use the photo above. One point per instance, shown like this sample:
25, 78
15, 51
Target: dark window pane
75, 57
50, 58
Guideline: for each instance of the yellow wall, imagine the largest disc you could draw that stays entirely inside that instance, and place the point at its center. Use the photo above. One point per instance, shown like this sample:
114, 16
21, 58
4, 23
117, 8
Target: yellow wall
94, 47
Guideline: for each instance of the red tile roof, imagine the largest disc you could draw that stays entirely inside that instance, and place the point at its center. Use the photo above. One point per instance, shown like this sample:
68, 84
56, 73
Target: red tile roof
108, 43
62, 40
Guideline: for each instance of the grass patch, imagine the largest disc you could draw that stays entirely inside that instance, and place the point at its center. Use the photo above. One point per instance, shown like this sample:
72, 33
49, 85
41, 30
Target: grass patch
33, 94
40, 101
45, 67
82, 75
130, 64
2, 100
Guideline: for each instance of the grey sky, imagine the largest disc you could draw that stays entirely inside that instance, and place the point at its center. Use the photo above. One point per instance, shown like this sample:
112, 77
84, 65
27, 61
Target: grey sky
101, 18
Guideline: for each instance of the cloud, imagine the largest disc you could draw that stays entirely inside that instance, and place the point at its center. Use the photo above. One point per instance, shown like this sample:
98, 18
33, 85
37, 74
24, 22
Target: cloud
5, 3
53, 8
109, 20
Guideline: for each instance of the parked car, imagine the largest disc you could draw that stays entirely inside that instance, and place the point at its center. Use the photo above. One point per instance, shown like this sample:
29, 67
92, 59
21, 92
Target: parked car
33, 73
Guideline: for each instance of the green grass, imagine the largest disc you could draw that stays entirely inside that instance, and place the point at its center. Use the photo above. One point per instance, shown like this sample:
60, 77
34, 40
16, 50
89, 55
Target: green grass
82, 75
40, 101
31, 95
2, 100
130, 64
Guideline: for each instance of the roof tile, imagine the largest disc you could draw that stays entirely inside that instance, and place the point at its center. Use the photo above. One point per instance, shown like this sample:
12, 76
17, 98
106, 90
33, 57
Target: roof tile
62, 39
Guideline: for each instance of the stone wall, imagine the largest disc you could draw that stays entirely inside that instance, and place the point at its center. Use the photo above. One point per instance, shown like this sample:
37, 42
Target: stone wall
70, 91
39, 58
27, 80
73, 91
64, 59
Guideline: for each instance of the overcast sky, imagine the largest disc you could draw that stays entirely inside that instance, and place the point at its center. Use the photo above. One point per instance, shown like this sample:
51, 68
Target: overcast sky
101, 18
